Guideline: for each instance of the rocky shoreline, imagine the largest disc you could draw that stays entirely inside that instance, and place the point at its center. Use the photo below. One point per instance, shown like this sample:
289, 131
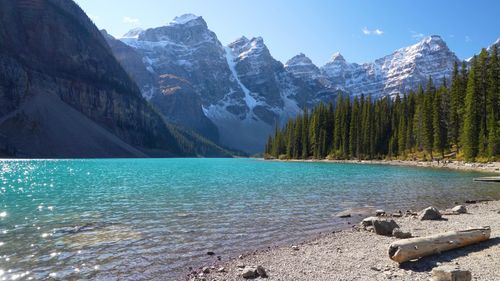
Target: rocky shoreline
491, 167
361, 254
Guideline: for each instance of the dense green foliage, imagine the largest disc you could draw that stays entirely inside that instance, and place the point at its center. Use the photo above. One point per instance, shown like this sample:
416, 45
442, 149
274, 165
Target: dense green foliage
460, 121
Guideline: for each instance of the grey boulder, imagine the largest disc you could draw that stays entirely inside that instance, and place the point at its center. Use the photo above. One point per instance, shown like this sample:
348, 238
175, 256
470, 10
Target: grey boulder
430, 213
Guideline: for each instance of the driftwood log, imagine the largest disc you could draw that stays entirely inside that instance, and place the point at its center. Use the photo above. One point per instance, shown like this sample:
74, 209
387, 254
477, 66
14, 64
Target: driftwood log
414, 248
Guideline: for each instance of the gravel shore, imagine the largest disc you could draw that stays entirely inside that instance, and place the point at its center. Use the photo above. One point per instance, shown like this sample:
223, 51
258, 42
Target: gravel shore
360, 255
491, 167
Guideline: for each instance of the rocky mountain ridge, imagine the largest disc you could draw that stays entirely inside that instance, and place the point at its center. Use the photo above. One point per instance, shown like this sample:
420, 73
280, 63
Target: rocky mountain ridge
63, 94
245, 92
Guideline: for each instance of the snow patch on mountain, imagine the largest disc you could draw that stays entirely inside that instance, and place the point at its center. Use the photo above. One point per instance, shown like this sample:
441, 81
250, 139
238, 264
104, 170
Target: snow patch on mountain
184, 19
250, 101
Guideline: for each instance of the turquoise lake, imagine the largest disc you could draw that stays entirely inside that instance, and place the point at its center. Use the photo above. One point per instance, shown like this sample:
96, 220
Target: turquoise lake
151, 219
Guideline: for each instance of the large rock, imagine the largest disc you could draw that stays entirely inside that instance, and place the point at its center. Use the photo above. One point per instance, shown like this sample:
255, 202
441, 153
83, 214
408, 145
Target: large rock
398, 233
450, 273
383, 227
368, 221
430, 213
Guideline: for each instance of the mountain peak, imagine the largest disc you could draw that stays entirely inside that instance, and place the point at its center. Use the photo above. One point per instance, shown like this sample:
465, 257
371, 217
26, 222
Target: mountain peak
133, 33
188, 19
434, 42
301, 59
337, 57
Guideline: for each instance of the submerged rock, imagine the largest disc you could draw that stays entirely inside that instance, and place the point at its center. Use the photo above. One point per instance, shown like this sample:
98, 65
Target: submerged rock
430, 213
344, 214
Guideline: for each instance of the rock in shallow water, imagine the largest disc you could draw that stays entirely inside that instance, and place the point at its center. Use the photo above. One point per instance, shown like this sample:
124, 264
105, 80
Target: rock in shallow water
430, 213
344, 214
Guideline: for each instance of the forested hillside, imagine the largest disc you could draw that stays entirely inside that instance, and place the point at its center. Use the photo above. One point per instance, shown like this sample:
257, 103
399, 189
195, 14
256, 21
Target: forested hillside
459, 121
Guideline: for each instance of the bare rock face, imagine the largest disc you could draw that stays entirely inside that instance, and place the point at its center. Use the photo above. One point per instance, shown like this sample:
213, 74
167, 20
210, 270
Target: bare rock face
175, 98
63, 94
245, 92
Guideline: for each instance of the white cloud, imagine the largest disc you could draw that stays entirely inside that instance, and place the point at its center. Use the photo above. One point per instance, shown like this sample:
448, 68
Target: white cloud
417, 35
467, 38
376, 31
132, 21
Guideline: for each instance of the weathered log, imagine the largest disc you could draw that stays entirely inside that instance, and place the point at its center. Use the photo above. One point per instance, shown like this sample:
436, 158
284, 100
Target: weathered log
414, 248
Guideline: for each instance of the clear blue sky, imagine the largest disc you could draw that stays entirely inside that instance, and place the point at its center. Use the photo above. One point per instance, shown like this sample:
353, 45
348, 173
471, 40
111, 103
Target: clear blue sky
361, 30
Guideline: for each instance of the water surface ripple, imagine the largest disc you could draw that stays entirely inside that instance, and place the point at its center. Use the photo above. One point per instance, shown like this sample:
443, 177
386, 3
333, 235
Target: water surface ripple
151, 219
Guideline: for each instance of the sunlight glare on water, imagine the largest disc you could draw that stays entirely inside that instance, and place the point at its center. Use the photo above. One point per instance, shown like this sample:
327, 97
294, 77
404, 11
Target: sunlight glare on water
151, 219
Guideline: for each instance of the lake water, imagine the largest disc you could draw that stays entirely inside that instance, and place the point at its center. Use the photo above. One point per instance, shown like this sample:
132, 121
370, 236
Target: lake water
151, 219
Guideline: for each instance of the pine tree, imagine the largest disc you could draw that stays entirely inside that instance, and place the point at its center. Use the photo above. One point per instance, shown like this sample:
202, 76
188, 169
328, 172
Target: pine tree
439, 121
355, 130
305, 134
471, 129
428, 128
402, 127
492, 113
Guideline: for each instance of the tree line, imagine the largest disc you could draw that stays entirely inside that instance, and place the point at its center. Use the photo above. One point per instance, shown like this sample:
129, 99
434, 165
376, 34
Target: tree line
454, 120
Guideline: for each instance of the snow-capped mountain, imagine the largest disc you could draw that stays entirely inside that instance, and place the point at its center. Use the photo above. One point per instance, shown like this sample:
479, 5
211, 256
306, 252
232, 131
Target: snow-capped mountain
242, 89
245, 92
399, 72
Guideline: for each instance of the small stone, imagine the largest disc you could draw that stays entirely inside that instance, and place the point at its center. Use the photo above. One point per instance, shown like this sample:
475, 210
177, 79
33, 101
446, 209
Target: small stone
398, 233
430, 213
205, 270
379, 213
384, 227
374, 268
240, 266
450, 273
397, 214
249, 272
210, 253
295, 248
460, 209
368, 221
240, 257
261, 271
221, 269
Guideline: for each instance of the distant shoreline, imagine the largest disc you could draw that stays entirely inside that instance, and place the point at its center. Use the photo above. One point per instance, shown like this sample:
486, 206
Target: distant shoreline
492, 167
